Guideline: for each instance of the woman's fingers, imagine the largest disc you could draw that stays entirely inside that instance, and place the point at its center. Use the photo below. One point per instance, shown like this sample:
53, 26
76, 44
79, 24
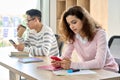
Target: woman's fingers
65, 63
66, 59
56, 63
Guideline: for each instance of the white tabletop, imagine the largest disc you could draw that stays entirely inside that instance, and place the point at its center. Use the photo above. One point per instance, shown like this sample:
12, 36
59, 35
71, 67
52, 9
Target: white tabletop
31, 72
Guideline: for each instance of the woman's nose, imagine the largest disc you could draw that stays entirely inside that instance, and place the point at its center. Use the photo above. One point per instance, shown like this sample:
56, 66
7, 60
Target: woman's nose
71, 26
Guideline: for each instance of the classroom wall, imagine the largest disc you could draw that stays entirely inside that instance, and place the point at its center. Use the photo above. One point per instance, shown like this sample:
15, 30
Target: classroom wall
113, 17
44, 7
53, 15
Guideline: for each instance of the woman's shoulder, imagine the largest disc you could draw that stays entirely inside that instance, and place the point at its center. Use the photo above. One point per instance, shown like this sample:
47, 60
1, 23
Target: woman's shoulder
100, 31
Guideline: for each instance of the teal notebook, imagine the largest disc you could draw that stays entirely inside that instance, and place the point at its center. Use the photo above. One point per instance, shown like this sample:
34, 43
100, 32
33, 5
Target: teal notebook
30, 60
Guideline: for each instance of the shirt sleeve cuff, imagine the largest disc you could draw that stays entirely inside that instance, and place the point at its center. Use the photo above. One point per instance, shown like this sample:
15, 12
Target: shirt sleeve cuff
26, 49
74, 65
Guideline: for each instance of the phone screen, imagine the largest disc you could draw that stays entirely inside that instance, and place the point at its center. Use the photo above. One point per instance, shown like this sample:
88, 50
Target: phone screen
12, 42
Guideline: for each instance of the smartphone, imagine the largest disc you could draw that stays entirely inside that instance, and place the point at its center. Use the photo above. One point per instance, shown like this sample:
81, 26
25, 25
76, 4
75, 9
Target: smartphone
12, 42
55, 58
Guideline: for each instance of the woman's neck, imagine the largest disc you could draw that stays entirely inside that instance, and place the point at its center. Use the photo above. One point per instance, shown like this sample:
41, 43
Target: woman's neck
82, 35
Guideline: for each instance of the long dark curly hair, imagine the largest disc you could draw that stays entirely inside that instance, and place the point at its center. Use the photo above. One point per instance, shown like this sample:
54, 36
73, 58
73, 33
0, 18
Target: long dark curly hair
89, 28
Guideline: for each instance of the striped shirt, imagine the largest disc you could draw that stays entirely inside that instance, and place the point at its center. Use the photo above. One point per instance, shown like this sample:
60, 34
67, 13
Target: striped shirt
43, 43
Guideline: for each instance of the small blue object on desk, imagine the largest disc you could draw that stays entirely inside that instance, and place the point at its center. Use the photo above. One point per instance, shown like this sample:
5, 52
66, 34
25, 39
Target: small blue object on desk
73, 70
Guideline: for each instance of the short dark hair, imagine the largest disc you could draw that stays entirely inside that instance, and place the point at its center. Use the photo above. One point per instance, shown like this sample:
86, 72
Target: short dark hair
34, 13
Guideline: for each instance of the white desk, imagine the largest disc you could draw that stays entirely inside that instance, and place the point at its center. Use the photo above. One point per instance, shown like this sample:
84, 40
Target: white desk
30, 71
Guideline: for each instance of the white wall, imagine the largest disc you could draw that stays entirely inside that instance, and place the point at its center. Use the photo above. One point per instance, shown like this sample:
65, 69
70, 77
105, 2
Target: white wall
48, 8
38, 4
45, 12
43, 6
53, 15
113, 17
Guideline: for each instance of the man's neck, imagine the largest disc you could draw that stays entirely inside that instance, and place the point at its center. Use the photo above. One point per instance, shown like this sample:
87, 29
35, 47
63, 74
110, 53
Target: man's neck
39, 27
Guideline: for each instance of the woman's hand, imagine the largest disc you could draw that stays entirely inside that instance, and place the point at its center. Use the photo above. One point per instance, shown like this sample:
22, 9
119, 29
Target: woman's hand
65, 63
56, 64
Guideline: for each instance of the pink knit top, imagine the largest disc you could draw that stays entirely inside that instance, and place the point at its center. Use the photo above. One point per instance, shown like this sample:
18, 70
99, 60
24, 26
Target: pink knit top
93, 55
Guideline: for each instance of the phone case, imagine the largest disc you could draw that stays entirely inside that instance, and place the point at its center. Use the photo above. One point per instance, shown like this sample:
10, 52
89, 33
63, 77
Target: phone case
12, 42
55, 58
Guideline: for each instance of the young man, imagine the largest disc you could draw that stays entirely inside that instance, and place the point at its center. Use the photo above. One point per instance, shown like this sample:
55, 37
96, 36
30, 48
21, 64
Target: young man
41, 40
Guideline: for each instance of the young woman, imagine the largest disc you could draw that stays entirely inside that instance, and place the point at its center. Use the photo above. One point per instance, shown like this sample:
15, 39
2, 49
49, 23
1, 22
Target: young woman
83, 34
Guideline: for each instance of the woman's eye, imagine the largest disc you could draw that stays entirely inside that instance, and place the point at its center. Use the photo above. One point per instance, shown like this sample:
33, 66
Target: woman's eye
73, 22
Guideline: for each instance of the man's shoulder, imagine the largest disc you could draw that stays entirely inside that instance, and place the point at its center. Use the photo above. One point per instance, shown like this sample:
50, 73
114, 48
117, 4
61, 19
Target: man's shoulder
47, 29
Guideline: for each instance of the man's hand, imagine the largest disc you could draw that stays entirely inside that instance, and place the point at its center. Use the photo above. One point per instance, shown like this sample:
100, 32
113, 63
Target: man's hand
20, 30
20, 47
